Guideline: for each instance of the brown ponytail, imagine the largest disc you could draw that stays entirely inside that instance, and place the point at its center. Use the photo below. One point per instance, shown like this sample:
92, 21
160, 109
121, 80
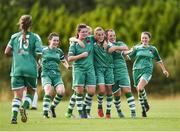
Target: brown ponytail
25, 23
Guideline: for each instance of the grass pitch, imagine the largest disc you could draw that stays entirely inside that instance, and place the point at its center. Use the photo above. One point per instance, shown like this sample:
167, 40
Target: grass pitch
164, 115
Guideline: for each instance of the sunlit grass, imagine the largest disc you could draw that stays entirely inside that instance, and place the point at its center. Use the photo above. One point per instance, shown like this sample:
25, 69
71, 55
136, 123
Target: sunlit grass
163, 115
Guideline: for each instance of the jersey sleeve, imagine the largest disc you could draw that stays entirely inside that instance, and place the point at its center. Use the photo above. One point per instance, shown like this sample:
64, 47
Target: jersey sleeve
38, 44
10, 43
61, 55
71, 51
109, 45
156, 55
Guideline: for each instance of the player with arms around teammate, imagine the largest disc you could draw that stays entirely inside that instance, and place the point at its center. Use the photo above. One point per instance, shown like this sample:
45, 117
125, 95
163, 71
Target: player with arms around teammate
51, 76
72, 100
121, 76
103, 63
23, 46
144, 54
83, 67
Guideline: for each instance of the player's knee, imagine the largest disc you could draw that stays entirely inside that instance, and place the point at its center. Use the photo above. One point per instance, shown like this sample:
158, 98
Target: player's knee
91, 92
48, 89
60, 91
18, 93
127, 90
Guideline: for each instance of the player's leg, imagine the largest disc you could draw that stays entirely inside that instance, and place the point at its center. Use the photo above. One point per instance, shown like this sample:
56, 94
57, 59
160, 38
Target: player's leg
144, 96
71, 105
31, 84
109, 81
101, 89
89, 96
60, 90
87, 105
16, 102
117, 103
35, 101
100, 96
116, 90
90, 82
130, 100
109, 100
79, 100
47, 99
142, 83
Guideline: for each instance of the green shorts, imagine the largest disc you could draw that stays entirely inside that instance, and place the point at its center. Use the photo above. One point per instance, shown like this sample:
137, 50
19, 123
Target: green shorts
18, 82
145, 73
84, 77
104, 76
53, 81
121, 78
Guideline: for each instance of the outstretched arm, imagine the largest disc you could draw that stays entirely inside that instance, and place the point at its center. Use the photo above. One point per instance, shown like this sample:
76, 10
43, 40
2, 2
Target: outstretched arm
126, 52
165, 72
114, 48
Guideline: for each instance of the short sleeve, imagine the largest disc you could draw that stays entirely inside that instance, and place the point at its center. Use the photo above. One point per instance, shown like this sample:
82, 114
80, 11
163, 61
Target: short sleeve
38, 44
109, 45
10, 43
61, 55
71, 51
156, 55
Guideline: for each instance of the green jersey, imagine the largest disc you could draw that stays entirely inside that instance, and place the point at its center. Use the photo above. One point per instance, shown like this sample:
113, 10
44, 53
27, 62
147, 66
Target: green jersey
50, 61
24, 54
118, 58
101, 57
75, 49
144, 56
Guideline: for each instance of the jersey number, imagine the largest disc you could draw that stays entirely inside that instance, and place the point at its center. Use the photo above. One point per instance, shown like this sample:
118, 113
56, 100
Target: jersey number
23, 45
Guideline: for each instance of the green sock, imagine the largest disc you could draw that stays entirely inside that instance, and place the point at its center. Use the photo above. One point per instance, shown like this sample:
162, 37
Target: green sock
27, 101
16, 102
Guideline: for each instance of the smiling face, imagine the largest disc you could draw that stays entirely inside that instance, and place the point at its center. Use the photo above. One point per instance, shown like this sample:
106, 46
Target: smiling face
54, 42
111, 36
99, 36
145, 38
83, 33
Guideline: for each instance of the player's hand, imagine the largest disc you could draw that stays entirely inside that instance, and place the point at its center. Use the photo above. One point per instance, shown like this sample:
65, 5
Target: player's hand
69, 67
84, 54
166, 73
124, 48
81, 44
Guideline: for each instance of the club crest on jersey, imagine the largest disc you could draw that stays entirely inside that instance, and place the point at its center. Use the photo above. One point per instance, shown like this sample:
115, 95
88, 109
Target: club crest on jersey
151, 51
22, 52
88, 41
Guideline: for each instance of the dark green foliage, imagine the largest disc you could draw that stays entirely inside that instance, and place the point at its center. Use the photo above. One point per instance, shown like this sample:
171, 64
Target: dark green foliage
128, 17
